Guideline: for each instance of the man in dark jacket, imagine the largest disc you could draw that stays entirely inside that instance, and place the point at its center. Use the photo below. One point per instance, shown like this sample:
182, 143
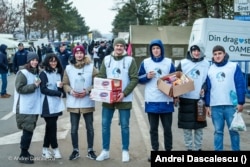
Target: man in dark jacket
20, 58
102, 51
4, 70
64, 55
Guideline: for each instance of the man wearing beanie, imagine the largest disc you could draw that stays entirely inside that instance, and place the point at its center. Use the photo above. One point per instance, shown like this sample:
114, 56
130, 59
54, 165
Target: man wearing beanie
118, 65
195, 66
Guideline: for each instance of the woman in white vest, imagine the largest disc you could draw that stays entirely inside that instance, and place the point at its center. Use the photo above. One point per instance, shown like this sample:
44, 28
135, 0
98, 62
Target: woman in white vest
77, 83
52, 102
195, 66
27, 104
158, 106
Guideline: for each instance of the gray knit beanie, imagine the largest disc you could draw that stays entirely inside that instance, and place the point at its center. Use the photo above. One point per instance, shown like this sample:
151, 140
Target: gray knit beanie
31, 56
119, 41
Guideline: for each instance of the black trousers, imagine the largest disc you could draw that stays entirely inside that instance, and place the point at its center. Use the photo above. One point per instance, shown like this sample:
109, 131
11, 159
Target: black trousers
50, 137
166, 120
26, 139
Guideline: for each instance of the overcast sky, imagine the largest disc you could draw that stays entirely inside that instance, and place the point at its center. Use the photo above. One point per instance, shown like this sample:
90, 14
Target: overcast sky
97, 13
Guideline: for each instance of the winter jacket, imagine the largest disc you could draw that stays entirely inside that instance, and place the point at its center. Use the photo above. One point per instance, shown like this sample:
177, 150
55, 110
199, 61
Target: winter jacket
67, 85
132, 75
162, 66
19, 59
47, 91
235, 83
196, 69
3, 59
25, 121
64, 57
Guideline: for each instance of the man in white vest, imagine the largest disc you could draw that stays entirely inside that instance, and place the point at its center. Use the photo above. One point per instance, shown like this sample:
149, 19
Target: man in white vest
118, 65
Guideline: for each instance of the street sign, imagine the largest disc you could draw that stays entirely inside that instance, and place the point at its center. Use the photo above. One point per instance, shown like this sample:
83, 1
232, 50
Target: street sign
242, 18
241, 5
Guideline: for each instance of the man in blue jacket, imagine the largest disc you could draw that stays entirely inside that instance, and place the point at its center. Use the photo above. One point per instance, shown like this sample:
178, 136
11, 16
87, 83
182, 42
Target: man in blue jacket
158, 106
224, 77
4, 70
20, 58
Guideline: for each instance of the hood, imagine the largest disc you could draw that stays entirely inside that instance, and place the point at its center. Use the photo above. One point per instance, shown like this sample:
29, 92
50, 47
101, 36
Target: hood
158, 43
3, 48
202, 52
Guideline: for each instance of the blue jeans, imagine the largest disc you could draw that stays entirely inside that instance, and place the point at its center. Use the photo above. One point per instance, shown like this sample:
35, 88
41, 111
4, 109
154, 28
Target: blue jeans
124, 116
74, 119
220, 114
4, 83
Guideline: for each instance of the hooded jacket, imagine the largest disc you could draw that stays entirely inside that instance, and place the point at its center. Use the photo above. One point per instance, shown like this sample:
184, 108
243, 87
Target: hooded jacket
196, 69
155, 100
3, 59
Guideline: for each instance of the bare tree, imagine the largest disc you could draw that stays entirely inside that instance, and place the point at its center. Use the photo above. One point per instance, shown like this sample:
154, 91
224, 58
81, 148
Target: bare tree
10, 16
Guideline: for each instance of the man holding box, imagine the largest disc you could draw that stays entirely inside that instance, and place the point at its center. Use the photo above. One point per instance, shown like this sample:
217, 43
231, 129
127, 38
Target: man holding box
157, 104
118, 65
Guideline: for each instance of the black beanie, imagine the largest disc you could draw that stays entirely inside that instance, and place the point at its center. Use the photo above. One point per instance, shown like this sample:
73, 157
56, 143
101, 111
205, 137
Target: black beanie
195, 47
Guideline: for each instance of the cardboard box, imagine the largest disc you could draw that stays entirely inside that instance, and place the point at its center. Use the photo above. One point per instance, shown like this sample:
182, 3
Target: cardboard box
107, 84
104, 95
175, 90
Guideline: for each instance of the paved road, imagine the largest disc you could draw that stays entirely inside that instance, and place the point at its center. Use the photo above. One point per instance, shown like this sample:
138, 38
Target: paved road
139, 143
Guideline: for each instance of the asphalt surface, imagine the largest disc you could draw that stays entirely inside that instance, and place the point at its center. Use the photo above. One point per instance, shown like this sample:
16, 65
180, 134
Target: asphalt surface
139, 136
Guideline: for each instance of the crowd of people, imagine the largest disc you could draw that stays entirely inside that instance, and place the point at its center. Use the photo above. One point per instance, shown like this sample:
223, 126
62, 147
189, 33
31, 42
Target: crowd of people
42, 81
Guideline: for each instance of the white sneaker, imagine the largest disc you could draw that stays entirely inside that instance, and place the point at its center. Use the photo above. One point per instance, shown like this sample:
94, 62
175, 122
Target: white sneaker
104, 155
46, 153
125, 156
57, 153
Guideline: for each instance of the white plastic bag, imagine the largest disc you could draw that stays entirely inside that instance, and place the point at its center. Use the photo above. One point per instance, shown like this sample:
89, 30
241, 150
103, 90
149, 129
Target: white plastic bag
238, 123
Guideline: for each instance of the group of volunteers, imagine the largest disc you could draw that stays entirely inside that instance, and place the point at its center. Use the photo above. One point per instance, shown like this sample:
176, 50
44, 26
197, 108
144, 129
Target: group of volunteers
40, 92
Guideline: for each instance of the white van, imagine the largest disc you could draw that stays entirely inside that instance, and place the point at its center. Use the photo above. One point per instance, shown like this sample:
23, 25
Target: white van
233, 35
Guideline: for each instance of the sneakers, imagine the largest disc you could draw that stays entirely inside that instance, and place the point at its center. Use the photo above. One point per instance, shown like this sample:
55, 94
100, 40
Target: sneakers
91, 155
75, 154
5, 95
104, 155
57, 153
125, 156
46, 153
